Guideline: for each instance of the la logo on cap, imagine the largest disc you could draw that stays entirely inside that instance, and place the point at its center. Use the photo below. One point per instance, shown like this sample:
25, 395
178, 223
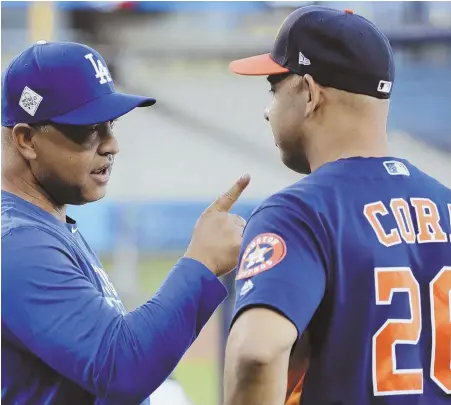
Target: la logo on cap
100, 69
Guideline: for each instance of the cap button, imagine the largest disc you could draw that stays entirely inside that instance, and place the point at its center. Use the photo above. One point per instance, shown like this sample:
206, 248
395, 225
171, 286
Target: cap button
349, 11
41, 42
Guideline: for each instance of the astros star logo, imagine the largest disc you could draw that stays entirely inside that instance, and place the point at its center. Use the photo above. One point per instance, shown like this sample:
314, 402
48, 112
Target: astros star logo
262, 253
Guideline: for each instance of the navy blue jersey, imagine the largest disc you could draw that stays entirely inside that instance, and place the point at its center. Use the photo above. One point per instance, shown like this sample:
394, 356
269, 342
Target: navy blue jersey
66, 338
358, 256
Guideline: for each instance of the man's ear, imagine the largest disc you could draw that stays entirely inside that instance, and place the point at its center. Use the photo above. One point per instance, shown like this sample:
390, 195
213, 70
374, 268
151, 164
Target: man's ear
315, 95
22, 137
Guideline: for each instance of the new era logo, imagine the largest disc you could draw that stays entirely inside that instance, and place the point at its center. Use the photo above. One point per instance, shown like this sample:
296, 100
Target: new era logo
303, 60
30, 100
395, 168
384, 86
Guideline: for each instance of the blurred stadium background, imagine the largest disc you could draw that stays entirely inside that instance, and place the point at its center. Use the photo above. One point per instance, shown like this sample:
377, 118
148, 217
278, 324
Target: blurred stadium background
207, 127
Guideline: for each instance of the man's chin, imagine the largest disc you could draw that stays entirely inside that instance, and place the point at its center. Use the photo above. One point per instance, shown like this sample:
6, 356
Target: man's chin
300, 166
99, 196
91, 197
298, 170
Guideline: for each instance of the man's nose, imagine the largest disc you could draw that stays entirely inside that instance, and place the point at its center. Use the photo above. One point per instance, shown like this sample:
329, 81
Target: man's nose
109, 145
113, 146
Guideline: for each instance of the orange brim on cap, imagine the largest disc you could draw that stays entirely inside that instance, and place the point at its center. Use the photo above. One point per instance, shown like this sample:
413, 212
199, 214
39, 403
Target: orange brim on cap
260, 65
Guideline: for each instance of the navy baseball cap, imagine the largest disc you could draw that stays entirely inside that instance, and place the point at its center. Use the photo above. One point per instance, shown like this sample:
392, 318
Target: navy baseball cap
338, 49
62, 82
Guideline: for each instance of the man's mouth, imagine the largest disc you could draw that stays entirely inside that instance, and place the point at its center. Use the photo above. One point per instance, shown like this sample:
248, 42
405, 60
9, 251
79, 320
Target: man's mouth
102, 174
102, 170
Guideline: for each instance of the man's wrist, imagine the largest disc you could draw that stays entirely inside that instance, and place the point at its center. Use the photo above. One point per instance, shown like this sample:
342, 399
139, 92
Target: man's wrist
208, 264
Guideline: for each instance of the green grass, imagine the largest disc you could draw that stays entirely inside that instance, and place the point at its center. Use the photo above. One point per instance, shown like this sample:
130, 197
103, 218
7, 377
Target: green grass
200, 381
153, 272
199, 377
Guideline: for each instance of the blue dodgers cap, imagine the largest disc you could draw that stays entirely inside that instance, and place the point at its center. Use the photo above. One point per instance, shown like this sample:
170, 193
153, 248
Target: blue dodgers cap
62, 82
338, 49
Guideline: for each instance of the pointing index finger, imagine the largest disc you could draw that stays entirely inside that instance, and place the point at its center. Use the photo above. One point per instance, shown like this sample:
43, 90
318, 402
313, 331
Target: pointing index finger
225, 202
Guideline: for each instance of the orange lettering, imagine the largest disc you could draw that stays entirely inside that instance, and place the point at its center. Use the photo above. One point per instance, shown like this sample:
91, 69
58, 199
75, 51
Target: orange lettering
371, 211
401, 211
428, 219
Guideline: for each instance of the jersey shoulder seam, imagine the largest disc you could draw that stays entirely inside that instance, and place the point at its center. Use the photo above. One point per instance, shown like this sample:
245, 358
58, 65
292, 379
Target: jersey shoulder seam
38, 228
283, 206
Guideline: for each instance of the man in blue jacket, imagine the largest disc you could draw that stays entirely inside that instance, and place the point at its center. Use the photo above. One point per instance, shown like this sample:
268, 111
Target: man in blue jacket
66, 338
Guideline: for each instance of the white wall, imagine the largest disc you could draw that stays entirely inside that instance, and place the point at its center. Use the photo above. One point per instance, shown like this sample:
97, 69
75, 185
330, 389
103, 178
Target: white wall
206, 129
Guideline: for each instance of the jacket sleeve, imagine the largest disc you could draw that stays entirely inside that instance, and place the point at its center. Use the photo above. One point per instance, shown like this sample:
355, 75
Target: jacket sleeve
52, 307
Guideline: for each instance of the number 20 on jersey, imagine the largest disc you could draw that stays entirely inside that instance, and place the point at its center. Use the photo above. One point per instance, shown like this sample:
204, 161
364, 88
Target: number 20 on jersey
388, 379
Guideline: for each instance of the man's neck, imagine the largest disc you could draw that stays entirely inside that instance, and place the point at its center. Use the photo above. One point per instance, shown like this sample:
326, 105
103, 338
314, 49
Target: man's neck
33, 195
348, 135
348, 146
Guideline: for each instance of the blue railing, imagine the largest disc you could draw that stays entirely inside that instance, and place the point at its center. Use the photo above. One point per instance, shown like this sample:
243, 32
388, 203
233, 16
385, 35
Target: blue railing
147, 226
